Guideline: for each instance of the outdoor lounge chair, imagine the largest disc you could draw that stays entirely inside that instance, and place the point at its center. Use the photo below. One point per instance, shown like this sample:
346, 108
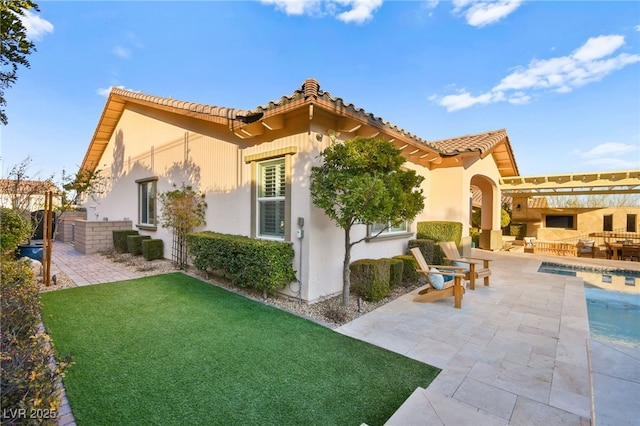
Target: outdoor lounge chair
453, 287
475, 270
586, 247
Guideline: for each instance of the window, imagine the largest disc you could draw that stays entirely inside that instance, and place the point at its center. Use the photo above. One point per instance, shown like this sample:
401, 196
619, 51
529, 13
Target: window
147, 191
271, 197
631, 223
377, 227
559, 221
607, 222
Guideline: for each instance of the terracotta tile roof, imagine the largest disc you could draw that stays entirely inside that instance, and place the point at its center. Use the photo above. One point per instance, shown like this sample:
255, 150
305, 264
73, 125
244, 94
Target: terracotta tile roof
482, 142
12, 186
311, 88
215, 111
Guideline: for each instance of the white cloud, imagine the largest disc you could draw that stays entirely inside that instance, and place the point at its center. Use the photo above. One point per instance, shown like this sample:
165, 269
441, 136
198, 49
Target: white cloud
482, 13
36, 27
361, 11
608, 149
589, 63
611, 156
357, 11
122, 52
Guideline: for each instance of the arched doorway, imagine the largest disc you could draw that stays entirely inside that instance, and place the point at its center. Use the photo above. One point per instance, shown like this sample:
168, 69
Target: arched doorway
490, 232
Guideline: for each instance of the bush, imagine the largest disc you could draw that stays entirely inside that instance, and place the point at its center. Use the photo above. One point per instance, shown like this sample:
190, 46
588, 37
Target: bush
370, 278
134, 243
474, 233
440, 231
120, 240
152, 249
29, 379
260, 264
14, 230
518, 230
409, 270
396, 269
428, 249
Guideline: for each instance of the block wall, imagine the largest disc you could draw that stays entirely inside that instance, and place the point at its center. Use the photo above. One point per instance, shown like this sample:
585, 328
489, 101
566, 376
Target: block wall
97, 236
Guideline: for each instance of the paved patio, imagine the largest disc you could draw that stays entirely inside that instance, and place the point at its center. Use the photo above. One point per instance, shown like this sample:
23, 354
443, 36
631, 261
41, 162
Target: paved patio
516, 353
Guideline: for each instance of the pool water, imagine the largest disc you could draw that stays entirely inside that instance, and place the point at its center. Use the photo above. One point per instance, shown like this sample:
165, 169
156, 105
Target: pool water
613, 301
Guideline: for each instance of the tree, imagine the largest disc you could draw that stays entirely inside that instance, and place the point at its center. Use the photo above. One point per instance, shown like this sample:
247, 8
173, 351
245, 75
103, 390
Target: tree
15, 46
83, 184
595, 201
182, 210
361, 182
24, 193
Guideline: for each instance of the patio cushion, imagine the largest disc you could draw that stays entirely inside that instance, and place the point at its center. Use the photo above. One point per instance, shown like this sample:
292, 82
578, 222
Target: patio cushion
464, 265
437, 281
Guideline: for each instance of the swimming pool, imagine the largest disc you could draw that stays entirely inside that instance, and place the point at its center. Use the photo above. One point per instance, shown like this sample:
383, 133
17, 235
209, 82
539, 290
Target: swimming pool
613, 300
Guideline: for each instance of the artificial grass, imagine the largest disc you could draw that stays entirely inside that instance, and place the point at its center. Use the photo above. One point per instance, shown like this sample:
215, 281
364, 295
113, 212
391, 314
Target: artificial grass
171, 349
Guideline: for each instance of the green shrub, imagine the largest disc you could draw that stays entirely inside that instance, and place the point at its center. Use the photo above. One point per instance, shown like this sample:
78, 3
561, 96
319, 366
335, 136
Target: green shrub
474, 233
14, 230
261, 264
396, 269
152, 249
428, 249
29, 378
370, 278
134, 243
120, 239
440, 231
409, 270
518, 230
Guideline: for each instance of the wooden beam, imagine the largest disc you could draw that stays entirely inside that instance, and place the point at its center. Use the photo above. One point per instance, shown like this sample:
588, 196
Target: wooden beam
275, 122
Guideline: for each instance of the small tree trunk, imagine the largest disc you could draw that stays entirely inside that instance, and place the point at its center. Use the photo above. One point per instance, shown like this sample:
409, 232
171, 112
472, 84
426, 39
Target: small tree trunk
346, 271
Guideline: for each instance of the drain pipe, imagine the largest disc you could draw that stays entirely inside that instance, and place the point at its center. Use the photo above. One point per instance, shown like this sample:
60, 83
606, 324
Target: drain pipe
300, 235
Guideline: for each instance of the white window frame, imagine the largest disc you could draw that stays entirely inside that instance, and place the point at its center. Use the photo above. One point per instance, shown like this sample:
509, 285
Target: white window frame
279, 199
147, 197
403, 228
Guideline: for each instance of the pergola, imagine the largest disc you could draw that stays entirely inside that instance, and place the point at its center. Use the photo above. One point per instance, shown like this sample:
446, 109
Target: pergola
590, 183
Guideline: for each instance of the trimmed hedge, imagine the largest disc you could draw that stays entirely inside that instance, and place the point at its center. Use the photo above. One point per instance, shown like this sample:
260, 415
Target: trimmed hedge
396, 270
370, 278
440, 231
120, 239
428, 249
134, 243
518, 230
261, 264
474, 233
152, 249
409, 269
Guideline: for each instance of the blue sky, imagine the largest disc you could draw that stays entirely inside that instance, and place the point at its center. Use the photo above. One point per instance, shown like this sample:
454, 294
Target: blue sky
562, 77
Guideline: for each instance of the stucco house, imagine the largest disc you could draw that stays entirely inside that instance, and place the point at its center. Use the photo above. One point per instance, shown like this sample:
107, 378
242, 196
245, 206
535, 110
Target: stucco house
254, 168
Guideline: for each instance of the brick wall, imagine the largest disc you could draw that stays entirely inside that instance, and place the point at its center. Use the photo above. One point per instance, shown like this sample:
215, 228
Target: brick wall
97, 236
64, 225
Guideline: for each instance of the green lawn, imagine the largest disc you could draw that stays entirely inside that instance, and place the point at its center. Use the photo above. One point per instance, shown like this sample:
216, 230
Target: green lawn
172, 349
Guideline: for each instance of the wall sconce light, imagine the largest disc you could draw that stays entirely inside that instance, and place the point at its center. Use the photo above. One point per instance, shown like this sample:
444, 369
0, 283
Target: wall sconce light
518, 207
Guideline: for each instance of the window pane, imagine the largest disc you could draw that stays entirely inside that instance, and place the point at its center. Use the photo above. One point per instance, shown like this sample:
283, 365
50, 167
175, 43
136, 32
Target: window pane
607, 222
143, 203
147, 203
151, 219
271, 218
559, 222
377, 227
631, 223
272, 180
